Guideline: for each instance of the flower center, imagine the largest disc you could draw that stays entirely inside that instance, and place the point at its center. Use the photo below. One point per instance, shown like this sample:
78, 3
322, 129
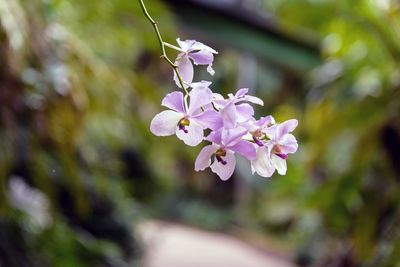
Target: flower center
219, 154
257, 141
277, 150
257, 135
183, 123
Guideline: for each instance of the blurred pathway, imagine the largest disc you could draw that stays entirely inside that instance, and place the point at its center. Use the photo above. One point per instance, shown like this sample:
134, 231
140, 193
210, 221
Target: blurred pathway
174, 245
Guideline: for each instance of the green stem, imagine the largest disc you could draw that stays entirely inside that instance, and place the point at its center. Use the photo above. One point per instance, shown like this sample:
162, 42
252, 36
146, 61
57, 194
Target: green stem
162, 46
173, 47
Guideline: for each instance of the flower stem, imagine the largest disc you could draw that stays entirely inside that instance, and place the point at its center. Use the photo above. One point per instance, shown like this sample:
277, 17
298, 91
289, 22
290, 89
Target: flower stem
162, 46
173, 47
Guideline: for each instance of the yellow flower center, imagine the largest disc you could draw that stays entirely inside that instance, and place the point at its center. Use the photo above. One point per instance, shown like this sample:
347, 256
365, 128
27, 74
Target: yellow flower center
183, 123
219, 154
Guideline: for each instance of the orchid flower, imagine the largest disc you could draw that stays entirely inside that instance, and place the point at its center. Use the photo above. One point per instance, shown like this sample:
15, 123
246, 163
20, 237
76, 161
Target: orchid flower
231, 123
233, 110
239, 96
225, 142
274, 154
188, 123
197, 52
257, 129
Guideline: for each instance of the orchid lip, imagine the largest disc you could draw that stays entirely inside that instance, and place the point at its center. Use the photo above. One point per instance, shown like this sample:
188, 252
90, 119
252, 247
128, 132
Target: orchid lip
282, 156
277, 150
182, 128
219, 154
220, 160
183, 123
257, 141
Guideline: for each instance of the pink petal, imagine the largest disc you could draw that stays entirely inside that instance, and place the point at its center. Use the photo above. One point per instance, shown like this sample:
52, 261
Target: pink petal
202, 57
288, 144
208, 106
185, 69
203, 160
262, 165
244, 148
215, 137
248, 124
268, 120
199, 98
209, 119
174, 101
224, 171
241, 92
165, 123
229, 115
245, 112
194, 135
231, 137
286, 127
262, 122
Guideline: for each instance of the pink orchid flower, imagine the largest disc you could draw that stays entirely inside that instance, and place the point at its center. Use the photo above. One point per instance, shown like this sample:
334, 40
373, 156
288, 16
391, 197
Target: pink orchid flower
197, 52
257, 129
225, 142
187, 123
233, 110
274, 154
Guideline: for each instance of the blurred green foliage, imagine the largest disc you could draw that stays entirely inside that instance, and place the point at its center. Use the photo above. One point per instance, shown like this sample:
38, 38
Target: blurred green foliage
341, 195
71, 119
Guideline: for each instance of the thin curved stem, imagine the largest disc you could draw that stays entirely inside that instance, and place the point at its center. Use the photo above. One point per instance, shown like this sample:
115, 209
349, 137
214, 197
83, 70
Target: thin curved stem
173, 47
162, 46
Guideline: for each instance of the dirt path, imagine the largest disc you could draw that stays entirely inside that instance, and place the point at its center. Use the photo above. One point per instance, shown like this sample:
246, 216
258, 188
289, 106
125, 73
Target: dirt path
173, 245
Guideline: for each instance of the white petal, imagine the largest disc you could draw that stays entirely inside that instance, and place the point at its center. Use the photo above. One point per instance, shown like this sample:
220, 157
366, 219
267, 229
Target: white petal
210, 70
219, 101
254, 100
200, 46
201, 85
280, 164
194, 136
165, 123
263, 164
224, 171
185, 45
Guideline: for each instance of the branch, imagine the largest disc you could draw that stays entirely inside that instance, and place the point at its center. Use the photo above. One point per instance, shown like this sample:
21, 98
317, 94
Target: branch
162, 46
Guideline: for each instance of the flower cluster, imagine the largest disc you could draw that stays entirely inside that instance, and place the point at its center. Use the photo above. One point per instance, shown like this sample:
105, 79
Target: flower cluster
229, 122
